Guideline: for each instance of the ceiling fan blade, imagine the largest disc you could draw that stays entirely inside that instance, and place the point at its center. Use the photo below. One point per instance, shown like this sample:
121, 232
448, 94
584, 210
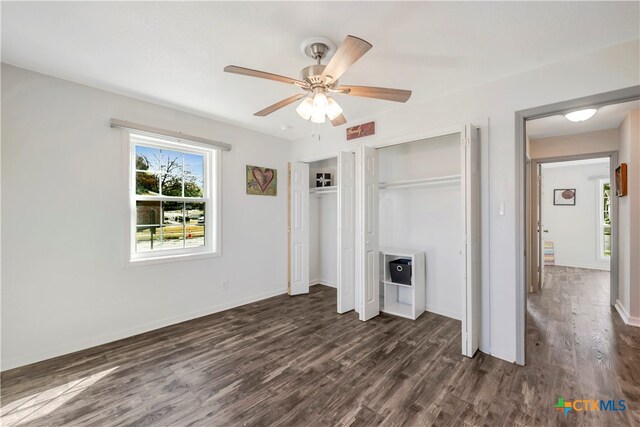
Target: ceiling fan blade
263, 75
351, 49
340, 120
278, 105
388, 94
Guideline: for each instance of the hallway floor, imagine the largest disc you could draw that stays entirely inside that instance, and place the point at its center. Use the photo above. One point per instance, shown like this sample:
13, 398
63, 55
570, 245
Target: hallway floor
581, 345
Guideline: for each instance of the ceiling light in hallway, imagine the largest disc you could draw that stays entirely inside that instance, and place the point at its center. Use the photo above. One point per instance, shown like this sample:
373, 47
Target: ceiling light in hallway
581, 115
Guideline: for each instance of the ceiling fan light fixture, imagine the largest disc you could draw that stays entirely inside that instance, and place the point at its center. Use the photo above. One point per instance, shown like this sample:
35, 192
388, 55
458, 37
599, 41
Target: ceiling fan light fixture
580, 115
320, 101
318, 116
333, 109
305, 109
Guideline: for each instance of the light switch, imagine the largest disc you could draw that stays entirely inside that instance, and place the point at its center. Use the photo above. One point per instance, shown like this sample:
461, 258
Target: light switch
501, 208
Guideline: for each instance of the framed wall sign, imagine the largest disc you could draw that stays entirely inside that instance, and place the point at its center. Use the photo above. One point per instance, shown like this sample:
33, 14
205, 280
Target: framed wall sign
359, 131
564, 197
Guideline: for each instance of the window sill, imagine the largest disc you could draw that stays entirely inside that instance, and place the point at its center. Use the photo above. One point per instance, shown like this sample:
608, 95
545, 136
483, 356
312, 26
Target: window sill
171, 258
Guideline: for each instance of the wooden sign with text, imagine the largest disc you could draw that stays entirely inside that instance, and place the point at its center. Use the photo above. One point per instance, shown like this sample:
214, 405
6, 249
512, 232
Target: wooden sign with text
359, 131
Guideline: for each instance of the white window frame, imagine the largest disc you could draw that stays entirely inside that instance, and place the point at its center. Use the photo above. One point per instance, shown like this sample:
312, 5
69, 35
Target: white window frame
600, 220
212, 198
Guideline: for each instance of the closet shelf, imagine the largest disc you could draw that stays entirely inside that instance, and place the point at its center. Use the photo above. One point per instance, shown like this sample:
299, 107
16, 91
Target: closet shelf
396, 284
323, 190
440, 180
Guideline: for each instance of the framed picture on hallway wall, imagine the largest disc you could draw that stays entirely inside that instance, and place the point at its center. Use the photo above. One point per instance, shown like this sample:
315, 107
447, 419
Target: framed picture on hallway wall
621, 180
564, 197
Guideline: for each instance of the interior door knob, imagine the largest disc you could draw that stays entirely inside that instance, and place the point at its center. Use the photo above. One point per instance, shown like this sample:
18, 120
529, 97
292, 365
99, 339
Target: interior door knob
546, 231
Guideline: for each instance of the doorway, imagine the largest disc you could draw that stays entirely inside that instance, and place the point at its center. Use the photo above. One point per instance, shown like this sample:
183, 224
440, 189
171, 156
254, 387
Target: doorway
572, 282
531, 257
572, 217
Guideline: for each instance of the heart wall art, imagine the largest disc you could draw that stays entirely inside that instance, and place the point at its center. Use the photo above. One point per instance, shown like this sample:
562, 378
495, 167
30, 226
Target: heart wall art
262, 181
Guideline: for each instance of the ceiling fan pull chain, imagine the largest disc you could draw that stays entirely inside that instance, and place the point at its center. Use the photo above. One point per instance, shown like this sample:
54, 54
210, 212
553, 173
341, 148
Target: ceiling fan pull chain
315, 131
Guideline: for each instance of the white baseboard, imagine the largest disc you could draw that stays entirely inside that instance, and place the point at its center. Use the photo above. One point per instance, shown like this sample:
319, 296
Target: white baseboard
52, 352
629, 320
443, 312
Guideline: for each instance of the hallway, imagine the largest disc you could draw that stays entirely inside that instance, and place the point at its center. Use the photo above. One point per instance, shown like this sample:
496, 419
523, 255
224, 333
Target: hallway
581, 341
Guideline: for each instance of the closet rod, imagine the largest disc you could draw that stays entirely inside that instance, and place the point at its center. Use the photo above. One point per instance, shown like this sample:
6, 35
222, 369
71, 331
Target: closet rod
451, 179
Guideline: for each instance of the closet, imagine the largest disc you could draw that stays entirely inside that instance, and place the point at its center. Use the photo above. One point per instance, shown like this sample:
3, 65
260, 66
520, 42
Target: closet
321, 226
323, 222
421, 211
418, 199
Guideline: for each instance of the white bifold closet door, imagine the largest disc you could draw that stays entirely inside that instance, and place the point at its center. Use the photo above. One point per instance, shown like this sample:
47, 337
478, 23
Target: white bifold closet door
346, 231
470, 180
298, 178
367, 207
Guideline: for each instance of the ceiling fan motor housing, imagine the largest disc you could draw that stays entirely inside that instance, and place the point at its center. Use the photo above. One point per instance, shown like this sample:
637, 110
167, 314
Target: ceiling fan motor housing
313, 75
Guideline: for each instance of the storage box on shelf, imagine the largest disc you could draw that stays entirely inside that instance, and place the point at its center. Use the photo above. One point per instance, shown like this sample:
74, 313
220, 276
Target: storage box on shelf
400, 298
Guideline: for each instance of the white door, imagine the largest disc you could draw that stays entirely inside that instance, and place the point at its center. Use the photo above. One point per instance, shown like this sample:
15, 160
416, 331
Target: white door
298, 228
471, 203
540, 229
346, 231
367, 233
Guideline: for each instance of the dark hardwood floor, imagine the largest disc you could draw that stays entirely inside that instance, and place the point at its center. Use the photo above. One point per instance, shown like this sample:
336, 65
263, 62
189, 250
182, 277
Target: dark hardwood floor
295, 362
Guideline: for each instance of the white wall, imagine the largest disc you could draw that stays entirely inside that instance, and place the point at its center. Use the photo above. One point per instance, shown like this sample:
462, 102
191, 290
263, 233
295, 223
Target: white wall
64, 283
574, 229
323, 239
604, 70
587, 143
428, 219
628, 303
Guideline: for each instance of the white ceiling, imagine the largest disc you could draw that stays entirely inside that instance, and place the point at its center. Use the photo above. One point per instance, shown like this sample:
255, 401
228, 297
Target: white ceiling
607, 117
173, 53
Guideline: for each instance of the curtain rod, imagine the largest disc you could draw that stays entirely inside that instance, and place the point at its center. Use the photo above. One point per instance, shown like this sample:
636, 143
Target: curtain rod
178, 136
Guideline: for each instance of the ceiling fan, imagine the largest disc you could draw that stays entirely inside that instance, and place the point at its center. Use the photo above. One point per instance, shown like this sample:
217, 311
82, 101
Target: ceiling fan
319, 80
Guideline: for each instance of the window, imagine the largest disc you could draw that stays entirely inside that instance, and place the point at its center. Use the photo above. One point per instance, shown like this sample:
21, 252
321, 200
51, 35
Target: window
604, 220
173, 198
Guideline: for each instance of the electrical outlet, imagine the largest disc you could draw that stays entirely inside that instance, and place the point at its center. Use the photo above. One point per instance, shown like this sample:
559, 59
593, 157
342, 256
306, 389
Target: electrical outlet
225, 285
